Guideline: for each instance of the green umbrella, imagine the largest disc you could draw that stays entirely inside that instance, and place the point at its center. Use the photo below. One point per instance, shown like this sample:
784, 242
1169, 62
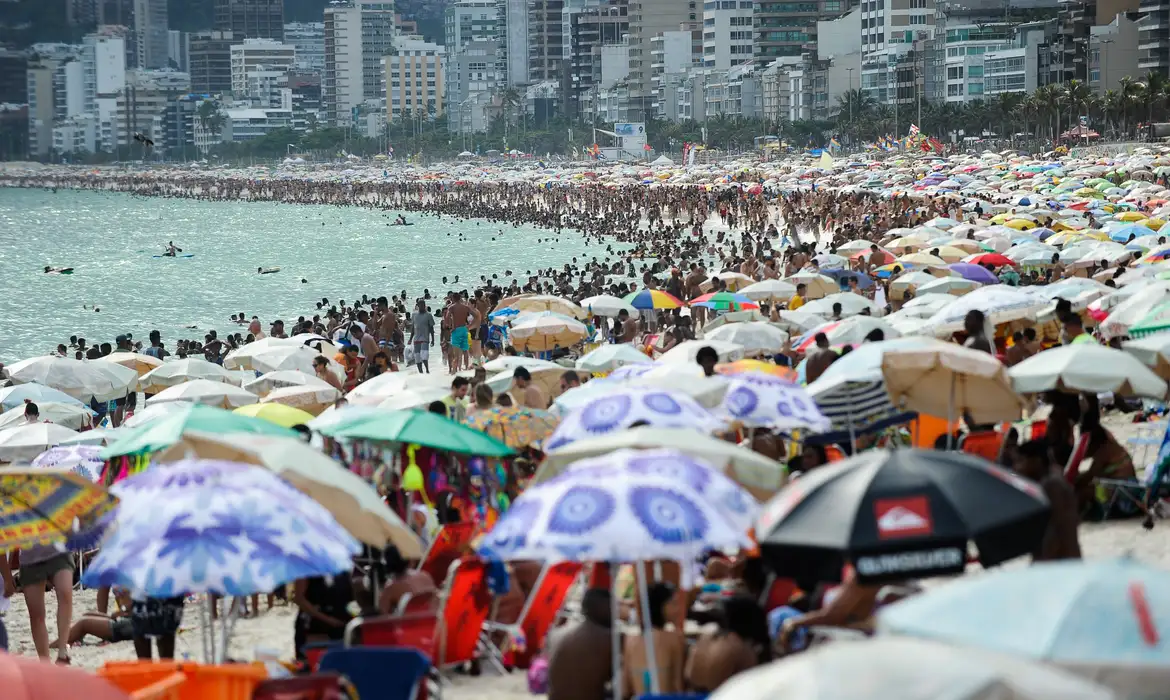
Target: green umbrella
163, 432
422, 428
1156, 321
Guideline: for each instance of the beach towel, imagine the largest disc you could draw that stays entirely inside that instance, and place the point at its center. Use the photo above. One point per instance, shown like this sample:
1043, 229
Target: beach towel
459, 338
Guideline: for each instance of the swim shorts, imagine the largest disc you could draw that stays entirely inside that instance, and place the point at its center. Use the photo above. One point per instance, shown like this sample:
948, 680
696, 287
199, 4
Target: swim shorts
156, 617
121, 629
459, 338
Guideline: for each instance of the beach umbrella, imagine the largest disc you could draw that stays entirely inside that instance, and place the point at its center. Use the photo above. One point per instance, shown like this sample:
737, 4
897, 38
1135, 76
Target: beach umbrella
1153, 351
756, 338
15, 396
898, 515
503, 363
731, 369
975, 273
142, 364
311, 399
949, 253
1156, 321
606, 305
609, 357
206, 392
49, 506
769, 290
543, 332
387, 384
951, 381
280, 414
281, 379
687, 379
515, 426
849, 331
652, 299
79, 459
797, 322
545, 302
291, 357
204, 526
1102, 620
83, 380
69, 415
907, 669
817, 286
733, 317
179, 371
725, 301
1086, 367
627, 506
762, 401
421, 427
408, 398
855, 246
955, 286
97, 437
999, 303
619, 408
922, 260
30, 678
170, 428
760, 476
1139, 304
348, 498
851, 304
21, 443
733, 280
686, 351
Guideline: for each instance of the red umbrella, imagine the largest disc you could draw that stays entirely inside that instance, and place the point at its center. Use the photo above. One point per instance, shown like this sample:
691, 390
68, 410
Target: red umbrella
993, 259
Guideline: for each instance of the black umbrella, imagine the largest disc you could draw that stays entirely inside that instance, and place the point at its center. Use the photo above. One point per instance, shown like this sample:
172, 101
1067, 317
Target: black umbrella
897, 515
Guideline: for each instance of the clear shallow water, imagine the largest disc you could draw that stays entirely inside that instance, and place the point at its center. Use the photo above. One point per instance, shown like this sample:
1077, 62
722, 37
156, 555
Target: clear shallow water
109, 239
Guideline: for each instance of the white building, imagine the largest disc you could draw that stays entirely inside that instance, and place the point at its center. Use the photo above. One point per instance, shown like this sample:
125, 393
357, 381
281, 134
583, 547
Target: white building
887, 22
268, 89
966, 46
512, 18
469, 20
727, 33
259, 54
414, 80
308, 38
671, 59
472, 78
358, 34
103, 64
150, 29
77, 135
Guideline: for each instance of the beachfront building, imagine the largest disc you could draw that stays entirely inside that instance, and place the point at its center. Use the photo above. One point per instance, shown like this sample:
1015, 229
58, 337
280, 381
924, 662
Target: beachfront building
252, 19
211, 62
13, 83
472, 80
596, 44
150, 28
649, 18
308, 38
414, 80
358, 34
512, 24
727, 33
179, 50
259, 55
54, 83
469, 20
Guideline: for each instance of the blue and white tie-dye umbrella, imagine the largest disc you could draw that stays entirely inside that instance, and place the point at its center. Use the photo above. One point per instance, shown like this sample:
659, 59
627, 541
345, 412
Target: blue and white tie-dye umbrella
761, 401
625, 406
79, 459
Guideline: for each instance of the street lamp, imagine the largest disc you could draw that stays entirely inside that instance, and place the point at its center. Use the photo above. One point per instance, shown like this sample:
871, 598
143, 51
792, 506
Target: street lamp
1103, 78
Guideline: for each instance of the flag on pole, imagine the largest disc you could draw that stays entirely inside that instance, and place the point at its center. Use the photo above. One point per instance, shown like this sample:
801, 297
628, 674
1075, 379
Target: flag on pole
914, 130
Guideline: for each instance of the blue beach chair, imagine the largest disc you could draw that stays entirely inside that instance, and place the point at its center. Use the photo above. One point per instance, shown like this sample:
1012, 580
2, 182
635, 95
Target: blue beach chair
381, 673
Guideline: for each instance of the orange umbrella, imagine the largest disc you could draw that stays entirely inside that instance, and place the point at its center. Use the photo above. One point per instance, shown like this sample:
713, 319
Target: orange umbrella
29, 678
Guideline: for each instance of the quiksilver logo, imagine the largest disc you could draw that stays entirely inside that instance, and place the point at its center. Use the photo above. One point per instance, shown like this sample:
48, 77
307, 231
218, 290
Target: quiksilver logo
910, 562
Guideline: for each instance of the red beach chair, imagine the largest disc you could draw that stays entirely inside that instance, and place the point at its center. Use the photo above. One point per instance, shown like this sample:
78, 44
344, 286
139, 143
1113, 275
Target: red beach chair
451, 542
540, 610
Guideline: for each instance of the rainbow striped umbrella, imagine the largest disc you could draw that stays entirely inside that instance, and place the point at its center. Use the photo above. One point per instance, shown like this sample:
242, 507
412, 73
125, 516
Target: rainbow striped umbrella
725, 301
652, 299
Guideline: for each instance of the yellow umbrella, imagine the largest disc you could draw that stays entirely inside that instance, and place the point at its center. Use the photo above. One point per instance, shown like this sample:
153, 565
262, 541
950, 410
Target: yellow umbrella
1001, 218
1131, 216
950, 253
923, 259
1021, 224
278, 413
966, 244
1062, 239
48, 506
1155, 223
142, 364
906, 244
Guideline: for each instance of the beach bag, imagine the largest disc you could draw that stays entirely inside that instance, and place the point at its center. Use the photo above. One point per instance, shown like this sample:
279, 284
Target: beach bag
408, 355
538, 676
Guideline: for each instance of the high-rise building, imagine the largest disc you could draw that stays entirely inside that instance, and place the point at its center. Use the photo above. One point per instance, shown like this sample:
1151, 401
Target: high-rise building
103, 62
309, 40
787, 28
649, 18
512, 60
251, 19
211, 62
40, 107
546, 49
414, 80
178, 50
13, 81
259, 55
727, 33
469, 20
595, 33
358, 33
472, 79
150, 27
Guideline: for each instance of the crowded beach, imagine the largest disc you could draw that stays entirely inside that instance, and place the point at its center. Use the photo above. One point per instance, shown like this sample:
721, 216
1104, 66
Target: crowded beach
815, 428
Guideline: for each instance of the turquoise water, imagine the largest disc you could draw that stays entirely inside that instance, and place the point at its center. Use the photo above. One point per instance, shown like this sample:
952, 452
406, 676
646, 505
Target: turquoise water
109, 239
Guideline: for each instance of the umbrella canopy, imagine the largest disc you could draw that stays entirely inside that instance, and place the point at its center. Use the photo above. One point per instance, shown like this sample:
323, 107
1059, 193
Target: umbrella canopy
1086, 367
816, 285
901, 514
544, 302
761, 476
517, 427
618, 408
387, 384
769, 290
1099, 619
652, 299
609, 357
103, 381
975, 273
1153, 351
421, 427
348, 498
284, 416
69, 415
686, 351
626, 506
14, 396
22, 443
851, 304
541, 332
290, 357
951, 381
170, 429
206, 392
606, 305
850, 331
311, 399
217, 527
725, 301
84, 460
999, 303
48, 506
907, 669
142, 364
762, 401
1156, 321
732, 369
957, 286
179, 371
281, 379
756, 337
29, 678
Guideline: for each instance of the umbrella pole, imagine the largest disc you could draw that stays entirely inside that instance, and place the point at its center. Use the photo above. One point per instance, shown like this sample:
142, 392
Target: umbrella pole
647, 630
209, 628
615, 629
852, 432
951, 415
229, 623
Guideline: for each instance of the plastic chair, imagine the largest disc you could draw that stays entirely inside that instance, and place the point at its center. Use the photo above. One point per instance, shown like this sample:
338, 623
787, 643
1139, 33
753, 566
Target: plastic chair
416, 631
984, 444
467, 603
318, 686
450, 543
379, 673
540, 610
315, 650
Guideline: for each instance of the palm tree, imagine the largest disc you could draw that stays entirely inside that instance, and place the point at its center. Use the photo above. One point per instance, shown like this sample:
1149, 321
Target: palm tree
1131, 92
210, 116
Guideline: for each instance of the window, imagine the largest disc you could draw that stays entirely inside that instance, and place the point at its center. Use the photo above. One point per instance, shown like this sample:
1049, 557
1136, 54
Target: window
975, 72
917, 19
954, 73
974, 88
954, 90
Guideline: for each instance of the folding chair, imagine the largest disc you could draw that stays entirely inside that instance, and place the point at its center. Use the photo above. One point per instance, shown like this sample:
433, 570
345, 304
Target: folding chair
985, 444
445, 549
540, 610
415, 631
467, 602
381, 673
317, 686
315, 650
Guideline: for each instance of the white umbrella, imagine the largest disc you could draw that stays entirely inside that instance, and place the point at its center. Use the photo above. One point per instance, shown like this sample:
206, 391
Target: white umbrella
906, 669
756, 338
207, 392
503, 363
957, 286
283, 378
733, 317
1087, 367
414, 398
136, 361
1153, 351
685, 352
769, 290
999, 303
609, 357
241, 358
80, 379
179, 371
312, 398
686, 379
734, 281
387, 384
951, 381
817, 285
800, 321
850, 331
291, 357
97, 436
69, 415
1135, 308
606, 305
152, 412
545, 302
23, 443
540, 333
851, 304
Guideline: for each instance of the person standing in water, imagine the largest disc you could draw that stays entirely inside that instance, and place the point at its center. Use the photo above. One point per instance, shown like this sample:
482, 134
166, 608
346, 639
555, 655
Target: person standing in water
422, 326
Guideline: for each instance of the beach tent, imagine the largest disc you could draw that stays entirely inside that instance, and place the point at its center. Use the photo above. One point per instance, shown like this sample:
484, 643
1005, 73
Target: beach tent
662, 160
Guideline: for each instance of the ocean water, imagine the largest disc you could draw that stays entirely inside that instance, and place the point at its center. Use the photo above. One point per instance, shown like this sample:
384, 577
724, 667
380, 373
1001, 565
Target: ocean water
342, 252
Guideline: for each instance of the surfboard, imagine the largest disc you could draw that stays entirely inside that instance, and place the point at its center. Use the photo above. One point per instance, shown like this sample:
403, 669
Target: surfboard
188, 255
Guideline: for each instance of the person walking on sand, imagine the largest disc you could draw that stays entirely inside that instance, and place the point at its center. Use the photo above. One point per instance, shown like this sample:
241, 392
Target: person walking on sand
41, 564
422, 327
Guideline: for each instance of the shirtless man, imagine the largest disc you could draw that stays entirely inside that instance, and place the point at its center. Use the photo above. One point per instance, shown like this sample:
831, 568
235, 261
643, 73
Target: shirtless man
628, 331
526, 392
405, 580
479, 332
1033, 461
368, 346
456, 318
821, 358
579, 660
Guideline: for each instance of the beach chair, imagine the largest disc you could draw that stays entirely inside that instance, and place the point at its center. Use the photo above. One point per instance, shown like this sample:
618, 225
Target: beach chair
410, 603
381, 673
449, 544
467, 602
985, 444
315, 650
317, 686
540, 611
